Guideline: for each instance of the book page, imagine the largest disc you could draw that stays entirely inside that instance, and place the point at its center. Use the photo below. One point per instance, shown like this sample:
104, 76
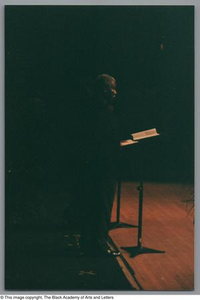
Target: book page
145, 134
127, 142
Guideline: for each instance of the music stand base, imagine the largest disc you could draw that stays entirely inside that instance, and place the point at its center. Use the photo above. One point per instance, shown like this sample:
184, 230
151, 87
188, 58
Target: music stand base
134, 251
115, 225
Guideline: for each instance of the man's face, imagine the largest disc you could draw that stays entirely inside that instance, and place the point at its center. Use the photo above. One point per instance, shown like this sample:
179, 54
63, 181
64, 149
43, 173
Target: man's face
110, 91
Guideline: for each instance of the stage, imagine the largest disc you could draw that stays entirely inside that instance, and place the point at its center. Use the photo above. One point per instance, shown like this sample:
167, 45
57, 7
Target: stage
47, 257
168, 225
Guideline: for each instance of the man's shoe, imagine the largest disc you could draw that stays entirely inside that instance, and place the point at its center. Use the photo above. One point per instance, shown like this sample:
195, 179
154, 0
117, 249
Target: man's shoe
111, 253
100, 253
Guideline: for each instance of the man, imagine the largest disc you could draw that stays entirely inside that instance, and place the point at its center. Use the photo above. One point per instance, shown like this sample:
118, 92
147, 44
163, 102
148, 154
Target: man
101, 147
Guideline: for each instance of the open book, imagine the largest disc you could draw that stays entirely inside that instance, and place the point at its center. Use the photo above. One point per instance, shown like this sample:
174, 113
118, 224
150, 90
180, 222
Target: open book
144, 134
127, 142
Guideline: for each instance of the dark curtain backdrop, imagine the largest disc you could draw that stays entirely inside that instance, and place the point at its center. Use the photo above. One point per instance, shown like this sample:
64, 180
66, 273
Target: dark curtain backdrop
53, 51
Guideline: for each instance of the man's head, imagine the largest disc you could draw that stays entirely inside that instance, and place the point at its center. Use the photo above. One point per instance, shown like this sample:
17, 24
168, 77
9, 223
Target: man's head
106, 87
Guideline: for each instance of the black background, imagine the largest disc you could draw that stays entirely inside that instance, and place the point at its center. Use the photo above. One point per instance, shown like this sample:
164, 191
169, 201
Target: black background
51, 51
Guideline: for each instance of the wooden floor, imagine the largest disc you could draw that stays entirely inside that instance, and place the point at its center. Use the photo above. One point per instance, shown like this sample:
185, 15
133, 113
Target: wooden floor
167, 225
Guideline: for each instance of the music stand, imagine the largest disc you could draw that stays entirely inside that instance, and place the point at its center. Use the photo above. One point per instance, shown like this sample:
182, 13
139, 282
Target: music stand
139, 249
117, 223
